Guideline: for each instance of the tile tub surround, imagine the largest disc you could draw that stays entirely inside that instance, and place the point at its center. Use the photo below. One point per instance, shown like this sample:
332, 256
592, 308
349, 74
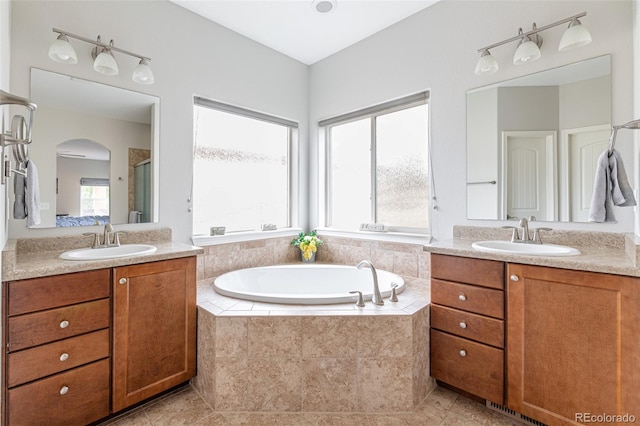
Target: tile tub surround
259, 357
403, 259
612, 253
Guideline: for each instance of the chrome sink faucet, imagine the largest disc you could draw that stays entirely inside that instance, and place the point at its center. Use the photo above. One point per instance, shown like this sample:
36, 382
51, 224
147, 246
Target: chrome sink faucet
524, 237
377, 297
106, 237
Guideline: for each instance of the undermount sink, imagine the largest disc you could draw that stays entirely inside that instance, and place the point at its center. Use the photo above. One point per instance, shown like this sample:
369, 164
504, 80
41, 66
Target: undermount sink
508, 247
124, 250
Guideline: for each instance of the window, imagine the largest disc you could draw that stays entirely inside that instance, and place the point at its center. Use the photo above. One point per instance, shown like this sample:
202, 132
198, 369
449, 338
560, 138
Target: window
377, 167
242, 175
94, 197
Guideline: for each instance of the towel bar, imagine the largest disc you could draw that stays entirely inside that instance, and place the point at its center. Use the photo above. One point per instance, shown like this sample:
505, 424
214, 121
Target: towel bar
633, 125
488, 182
19, 136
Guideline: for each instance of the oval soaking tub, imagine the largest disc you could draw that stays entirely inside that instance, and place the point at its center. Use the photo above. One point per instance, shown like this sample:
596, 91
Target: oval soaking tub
304, 284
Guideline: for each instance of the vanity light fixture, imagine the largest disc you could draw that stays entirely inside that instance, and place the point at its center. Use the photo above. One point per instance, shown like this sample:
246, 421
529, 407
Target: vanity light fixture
102, 54
528, 49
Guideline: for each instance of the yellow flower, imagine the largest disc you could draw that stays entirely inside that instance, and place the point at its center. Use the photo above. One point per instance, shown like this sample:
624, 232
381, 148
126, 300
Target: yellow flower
307, 253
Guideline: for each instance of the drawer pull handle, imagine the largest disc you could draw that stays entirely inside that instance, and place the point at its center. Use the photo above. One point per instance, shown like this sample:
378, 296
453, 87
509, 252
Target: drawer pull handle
64, 324
462, 297
64, 356
463, 324
64, 390
514, 277
122, 281
463, 353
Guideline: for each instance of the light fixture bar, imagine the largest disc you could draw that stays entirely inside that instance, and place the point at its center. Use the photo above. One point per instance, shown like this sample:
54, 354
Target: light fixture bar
534, 31
100, 44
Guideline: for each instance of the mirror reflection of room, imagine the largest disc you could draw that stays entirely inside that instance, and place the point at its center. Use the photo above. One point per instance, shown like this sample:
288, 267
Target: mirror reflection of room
95, 152
533, 143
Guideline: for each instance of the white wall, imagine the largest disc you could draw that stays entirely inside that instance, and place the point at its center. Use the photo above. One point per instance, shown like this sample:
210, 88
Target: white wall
5, 62
436, 49
636, 96
190, 56
575, 108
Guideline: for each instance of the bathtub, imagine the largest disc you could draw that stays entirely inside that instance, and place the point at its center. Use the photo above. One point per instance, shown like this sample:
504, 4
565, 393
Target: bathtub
304, 284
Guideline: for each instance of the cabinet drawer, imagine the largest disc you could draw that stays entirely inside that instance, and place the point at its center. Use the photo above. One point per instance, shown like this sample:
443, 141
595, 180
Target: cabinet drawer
480, 371
465, 324
76, 397
470, 298
51, 292
55, 324
31, 364
486, 273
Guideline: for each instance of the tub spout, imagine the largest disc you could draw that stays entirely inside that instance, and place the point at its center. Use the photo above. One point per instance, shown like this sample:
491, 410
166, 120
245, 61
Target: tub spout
377, 297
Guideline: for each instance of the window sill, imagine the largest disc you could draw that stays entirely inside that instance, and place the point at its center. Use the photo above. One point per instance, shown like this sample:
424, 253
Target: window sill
237, 237
395, 237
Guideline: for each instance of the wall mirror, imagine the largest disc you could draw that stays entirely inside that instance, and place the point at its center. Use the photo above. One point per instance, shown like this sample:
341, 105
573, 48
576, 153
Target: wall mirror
96, 150
533, 143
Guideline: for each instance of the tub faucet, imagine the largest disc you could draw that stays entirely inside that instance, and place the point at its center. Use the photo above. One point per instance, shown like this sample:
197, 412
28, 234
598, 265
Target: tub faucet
377, 297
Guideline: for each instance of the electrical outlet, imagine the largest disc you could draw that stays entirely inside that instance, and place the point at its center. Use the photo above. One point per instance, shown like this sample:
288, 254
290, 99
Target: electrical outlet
217, 230
44, 205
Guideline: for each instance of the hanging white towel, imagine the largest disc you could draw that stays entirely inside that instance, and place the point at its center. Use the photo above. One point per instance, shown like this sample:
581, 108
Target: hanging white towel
19, 209
134, 216
32, 195
611, 188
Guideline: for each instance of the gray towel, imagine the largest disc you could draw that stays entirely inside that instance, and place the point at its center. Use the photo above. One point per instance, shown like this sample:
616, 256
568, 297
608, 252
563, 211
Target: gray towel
32, 195
19, 210
611, 188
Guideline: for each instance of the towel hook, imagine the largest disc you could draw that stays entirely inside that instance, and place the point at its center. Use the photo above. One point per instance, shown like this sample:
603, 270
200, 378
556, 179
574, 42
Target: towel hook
633, 125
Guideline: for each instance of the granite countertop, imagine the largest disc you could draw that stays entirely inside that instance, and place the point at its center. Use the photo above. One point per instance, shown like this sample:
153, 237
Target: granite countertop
38, 257
600, 252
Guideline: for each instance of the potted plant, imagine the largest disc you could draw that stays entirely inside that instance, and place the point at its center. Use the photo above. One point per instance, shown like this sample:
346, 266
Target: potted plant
308, 244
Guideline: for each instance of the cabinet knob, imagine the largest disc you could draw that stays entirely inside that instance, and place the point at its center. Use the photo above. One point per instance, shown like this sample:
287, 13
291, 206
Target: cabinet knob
64, 356
514, 277
64, 324
64, 390
463, 353
462, 297
122, 281
463, 324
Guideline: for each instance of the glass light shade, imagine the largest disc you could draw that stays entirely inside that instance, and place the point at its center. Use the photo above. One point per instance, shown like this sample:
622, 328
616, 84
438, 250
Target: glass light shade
487, 64
105, 63
527, 51
62, 51
574, 36
142, 73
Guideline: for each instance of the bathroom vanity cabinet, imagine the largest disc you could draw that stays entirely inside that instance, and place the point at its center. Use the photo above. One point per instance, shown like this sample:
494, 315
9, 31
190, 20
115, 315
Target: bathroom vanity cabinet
81, 346
154, 329
564, 346
573, 346
467, 324
57, 333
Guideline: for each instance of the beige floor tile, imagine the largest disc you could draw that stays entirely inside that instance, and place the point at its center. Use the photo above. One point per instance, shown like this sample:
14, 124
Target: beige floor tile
183, 408
441, 408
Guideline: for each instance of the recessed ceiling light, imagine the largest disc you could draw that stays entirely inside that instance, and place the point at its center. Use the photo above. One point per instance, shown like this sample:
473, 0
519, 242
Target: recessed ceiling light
324, 6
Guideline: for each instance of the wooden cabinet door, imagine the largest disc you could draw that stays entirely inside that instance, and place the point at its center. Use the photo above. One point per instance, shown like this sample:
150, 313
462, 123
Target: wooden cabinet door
154, 329
572, 348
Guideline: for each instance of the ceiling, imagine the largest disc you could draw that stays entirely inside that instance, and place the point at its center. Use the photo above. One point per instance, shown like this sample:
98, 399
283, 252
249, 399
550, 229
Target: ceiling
294, 28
